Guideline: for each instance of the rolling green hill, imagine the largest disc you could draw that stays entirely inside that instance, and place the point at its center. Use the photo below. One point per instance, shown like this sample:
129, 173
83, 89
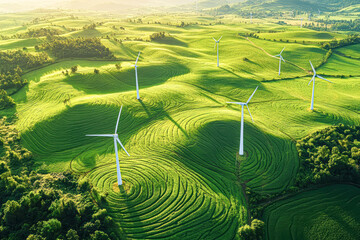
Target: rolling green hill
330, 212
182, 179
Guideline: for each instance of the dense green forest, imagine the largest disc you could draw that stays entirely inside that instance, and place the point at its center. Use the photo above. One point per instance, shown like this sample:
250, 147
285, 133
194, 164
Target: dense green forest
10, 60
330, 155
5, 100
45, 206
12, 64
12, 79
77, 47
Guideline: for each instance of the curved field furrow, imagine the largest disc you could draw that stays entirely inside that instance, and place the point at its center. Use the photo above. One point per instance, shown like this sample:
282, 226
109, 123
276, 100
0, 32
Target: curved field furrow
145, 209
330, 212
181, 180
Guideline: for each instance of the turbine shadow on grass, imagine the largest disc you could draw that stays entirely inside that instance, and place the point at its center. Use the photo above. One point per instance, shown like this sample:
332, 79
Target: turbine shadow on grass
212, 153
162, 112
171, 41
121, 81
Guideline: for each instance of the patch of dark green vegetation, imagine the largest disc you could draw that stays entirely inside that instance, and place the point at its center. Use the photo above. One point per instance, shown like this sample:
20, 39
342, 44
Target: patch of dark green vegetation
335, 25
352, 39
254, 231
12, 79
5, 100
328, 156
39, 32
11, 65
45, 206
157, 36
10, 60
77, 47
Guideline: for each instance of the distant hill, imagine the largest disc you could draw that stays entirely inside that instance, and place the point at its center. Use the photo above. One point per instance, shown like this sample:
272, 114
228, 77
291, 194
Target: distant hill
295, 5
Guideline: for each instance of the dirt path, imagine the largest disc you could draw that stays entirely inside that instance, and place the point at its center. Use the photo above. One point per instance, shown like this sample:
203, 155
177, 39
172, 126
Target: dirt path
307, 72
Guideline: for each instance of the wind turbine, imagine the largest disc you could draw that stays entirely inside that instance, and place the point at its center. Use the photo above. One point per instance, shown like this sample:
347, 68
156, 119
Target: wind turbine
241, 151
116, 140
280, 59
136, 77
301, 22
217, 44
251, 18
313, 80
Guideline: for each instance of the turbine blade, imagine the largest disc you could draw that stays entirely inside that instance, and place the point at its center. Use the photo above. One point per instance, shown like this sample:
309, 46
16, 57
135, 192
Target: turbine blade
283, 59
252, 95
239, 103
99, 135
117, 123
117, 139
249, 112
220, 38
137, 59
323, 78
312, 67
312, 79
282, 50
214, 39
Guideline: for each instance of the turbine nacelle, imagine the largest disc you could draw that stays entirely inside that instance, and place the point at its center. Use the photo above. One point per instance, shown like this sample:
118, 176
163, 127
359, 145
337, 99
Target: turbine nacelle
316, 75
246, 104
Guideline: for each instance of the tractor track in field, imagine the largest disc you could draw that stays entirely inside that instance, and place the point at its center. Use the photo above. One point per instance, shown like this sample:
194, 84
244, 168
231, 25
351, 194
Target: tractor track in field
295, 65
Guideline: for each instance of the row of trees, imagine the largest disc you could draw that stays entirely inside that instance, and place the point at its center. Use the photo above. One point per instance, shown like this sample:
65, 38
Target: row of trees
40, 32
45, 206
77, 47
350, 40
335, 25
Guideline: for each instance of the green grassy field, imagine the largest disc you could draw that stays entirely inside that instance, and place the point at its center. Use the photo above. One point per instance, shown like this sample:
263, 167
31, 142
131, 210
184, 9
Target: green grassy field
180, 180
327, 213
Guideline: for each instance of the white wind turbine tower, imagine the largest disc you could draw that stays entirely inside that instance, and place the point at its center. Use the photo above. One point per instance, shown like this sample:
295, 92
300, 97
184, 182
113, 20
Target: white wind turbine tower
280, 59
116, 140
217, 45
241, 151
313, 89
136, 77
251, 18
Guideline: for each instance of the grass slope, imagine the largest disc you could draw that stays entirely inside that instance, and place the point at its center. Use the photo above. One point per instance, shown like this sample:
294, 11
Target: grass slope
180, 180
327, 213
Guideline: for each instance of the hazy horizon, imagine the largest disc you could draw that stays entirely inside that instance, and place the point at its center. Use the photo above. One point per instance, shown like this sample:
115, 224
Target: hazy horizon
107, 5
